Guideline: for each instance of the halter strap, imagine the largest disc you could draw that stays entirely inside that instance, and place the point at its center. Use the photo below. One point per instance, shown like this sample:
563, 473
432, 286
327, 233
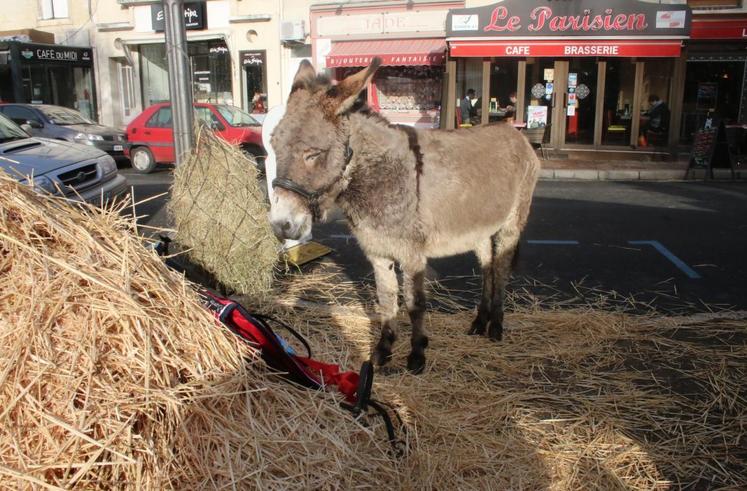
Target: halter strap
312, 197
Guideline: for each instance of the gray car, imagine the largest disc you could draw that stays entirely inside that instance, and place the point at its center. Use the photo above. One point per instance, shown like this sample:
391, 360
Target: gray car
66, 169
62, 123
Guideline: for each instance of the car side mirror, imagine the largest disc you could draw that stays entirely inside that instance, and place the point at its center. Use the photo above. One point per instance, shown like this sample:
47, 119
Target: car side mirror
34, 124
26, 127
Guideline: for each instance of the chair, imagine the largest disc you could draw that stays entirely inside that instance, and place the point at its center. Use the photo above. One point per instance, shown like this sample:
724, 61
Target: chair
536, 137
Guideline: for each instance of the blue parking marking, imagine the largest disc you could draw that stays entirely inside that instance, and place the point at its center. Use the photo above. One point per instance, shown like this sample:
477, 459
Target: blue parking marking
553, 242
690, 272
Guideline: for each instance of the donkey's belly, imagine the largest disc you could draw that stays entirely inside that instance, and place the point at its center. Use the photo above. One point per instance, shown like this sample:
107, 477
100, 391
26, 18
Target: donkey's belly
441, 245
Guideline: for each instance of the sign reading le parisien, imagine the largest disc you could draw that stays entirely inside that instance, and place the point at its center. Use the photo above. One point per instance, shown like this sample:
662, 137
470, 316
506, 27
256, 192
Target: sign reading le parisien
194, 16
583, 18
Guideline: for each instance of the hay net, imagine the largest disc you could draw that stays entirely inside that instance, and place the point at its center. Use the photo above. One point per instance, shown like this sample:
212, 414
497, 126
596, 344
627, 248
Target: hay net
220, 215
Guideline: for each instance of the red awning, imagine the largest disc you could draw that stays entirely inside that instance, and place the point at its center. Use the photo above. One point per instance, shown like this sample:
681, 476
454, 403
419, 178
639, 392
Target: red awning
568, 48
719, 29
391, 52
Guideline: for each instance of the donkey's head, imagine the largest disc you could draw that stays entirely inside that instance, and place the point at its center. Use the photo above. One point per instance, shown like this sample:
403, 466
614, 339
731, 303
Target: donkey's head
311, 143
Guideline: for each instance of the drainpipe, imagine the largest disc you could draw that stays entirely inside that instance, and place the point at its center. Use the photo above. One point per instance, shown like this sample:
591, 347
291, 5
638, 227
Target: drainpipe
180, 87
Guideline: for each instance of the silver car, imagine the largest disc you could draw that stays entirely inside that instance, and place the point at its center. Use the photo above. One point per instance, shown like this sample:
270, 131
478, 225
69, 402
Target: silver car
66, 169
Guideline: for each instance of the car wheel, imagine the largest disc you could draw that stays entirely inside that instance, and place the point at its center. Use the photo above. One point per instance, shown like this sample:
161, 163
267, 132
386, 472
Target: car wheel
142, 160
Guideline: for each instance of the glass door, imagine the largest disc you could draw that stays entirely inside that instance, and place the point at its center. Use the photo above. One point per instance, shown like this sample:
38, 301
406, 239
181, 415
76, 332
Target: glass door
580, 101
539, 90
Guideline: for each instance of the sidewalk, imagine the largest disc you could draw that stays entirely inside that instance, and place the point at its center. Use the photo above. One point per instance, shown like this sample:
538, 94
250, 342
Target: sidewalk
625, 170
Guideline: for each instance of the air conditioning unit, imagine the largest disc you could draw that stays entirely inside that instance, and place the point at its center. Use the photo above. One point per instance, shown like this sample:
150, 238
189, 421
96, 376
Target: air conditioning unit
292, 31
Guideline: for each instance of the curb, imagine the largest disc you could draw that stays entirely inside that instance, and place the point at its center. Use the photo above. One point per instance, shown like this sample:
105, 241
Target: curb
635, 175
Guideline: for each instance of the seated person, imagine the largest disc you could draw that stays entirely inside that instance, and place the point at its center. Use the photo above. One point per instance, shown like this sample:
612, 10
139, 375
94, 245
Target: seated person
510, 108
657, 116
468, 110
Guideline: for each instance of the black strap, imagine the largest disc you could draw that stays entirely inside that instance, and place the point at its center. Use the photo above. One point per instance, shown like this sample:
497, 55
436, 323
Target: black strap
266, 319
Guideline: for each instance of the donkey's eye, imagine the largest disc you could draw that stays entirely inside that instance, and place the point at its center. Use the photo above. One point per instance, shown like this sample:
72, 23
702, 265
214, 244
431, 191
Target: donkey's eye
310, 156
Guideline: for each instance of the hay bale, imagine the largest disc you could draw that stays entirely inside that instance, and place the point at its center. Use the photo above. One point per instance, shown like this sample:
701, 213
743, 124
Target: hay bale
113, 377
220, 215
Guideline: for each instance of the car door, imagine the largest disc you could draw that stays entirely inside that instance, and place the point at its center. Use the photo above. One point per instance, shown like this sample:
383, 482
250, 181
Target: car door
158, 134
23, 115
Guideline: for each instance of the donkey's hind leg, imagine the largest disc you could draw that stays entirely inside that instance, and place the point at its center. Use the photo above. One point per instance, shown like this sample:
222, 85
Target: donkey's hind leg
386, 290
414, 293
484, 255
505, 244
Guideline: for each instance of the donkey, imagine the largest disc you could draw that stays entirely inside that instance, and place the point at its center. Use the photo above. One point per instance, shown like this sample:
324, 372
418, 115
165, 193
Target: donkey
408, 195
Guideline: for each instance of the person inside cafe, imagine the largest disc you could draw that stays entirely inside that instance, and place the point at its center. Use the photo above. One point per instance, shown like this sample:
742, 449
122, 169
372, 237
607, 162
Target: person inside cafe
467, 108
510, 108
655, 122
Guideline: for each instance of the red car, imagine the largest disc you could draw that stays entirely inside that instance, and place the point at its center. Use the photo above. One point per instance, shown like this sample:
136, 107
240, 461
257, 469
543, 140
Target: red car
151, 135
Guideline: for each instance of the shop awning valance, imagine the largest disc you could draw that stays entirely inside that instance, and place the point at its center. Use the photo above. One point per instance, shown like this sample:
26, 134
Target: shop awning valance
566, 48
719, 29
391, 51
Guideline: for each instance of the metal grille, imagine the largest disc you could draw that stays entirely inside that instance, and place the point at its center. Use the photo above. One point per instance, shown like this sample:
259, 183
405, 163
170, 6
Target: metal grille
78, 177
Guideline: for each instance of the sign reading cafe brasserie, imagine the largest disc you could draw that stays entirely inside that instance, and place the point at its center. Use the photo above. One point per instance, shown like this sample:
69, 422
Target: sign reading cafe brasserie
584, 18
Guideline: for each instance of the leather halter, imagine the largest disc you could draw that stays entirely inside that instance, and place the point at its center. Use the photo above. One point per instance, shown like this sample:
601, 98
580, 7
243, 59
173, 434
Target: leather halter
312, 197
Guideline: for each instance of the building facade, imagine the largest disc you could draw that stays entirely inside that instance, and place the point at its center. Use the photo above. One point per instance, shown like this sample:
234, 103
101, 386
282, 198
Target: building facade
241, 52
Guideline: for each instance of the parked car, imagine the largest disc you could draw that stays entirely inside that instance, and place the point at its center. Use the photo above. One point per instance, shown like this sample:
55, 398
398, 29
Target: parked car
62, 123
151, 134
59, 167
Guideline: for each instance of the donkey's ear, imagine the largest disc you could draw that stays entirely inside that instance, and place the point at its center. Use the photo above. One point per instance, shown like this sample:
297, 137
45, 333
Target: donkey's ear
304, 76
350, 87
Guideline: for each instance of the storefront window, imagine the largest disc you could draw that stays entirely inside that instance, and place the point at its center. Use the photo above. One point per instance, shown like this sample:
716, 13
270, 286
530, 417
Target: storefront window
60, 85
412, 88
211, 69
618, 101
655, 101
581, 101
468, 88
712, 88
503, 80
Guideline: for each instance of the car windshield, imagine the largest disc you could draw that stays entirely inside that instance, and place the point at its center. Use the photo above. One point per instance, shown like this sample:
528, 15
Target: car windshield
64, 116
10, 131
235, 116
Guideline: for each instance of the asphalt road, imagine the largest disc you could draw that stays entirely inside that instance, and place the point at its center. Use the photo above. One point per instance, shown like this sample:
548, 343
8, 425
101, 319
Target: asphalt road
669, 246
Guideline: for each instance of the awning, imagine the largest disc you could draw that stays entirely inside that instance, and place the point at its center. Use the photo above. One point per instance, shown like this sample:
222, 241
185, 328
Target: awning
391, 52
719, 29
568, 48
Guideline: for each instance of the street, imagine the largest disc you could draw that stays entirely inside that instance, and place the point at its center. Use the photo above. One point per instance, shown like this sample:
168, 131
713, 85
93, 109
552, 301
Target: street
676, 247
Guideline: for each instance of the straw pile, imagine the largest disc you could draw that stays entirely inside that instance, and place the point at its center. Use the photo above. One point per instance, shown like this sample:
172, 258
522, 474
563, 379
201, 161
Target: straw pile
111, 376
220, 215
571, 399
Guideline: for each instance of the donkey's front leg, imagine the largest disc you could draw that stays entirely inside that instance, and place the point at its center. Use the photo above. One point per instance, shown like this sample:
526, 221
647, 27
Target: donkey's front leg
414, 291
386, 290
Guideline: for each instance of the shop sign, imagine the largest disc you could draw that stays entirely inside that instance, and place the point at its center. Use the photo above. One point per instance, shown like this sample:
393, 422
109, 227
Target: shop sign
195, 17
422, 21
719, 29
569, 49
45, 53
252, 58
388, 60
583, 18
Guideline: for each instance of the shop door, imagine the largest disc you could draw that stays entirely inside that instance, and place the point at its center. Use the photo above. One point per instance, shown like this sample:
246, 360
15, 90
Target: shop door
579, 98
540, 100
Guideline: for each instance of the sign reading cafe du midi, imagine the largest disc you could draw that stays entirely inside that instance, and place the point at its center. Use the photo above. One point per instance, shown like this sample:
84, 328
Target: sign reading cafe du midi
584, 18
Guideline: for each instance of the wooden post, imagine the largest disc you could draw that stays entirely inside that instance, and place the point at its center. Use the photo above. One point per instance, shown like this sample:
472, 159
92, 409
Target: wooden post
676, 100
451, 68
599, 115
521, 91
485, 95
635, 122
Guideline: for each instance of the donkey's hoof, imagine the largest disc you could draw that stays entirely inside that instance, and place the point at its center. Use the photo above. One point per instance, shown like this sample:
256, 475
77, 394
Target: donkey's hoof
476, 330
495, 334
381, 357
415, 363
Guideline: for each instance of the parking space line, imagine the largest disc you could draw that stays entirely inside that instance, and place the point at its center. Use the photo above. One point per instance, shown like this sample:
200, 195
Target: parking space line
690, 272
553, 242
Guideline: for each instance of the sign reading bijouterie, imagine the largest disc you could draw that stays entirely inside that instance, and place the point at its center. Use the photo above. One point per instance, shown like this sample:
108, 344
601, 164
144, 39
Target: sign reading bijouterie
583, 18
334, 61
48, 53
